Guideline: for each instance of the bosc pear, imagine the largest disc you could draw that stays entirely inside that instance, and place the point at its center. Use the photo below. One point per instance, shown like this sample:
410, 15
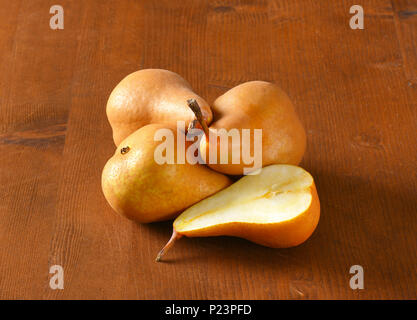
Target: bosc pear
278, 208
139, 188
151, 96
253, 105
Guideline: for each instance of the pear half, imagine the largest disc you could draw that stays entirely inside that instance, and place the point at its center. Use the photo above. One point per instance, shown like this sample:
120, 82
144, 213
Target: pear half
278, 208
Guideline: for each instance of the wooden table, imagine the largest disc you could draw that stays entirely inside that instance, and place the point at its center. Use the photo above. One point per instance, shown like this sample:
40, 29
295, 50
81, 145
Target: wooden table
355, 91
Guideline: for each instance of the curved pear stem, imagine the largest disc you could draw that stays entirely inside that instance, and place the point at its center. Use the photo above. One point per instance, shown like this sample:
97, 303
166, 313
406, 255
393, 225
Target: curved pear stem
193, 105
175, 236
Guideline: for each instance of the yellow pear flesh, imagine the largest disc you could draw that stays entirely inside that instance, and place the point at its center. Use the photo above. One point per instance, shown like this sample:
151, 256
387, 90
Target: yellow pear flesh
151, 96
257, 105
278, 208
137, 187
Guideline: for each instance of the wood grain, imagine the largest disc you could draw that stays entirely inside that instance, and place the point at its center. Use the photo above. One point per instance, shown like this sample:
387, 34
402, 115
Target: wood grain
405, 13
355, 91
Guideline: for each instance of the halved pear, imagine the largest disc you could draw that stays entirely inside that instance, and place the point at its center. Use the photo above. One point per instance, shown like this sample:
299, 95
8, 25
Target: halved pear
278, 208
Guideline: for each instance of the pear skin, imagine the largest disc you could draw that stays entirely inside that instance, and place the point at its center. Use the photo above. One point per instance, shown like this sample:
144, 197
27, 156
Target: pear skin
277, 208
139, 188
151, 96
256, 105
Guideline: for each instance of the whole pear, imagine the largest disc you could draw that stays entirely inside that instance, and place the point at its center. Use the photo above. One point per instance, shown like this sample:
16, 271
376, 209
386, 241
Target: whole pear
139, 188
151, 96
255, 105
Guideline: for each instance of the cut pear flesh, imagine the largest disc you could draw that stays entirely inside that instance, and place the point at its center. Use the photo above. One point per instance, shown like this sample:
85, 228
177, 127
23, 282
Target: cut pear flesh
277, 208
276, 194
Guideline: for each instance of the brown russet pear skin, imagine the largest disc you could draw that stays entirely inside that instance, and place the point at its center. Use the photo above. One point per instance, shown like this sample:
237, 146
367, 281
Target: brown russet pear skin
151, 96
139, 188
277, 208
256, 105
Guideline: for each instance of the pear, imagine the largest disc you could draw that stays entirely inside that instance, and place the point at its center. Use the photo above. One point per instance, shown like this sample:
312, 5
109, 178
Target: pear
151, 96
139, 188
253, 105
278, 208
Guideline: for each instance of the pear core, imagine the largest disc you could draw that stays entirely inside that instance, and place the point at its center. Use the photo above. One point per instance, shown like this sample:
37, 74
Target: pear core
278, 193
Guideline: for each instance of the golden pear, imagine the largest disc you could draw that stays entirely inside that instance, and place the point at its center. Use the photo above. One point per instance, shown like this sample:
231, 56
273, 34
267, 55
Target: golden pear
278, 208
139, 188
253, 105
151, 96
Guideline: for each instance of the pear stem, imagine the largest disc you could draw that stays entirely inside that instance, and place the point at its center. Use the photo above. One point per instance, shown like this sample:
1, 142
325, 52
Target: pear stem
175, 236
193, 125
193, 105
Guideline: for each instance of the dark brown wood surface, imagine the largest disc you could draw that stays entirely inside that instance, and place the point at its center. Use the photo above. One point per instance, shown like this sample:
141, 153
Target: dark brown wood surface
355, 91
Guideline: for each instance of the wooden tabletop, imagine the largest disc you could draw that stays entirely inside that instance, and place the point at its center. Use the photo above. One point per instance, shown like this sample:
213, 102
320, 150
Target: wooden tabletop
355, 92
